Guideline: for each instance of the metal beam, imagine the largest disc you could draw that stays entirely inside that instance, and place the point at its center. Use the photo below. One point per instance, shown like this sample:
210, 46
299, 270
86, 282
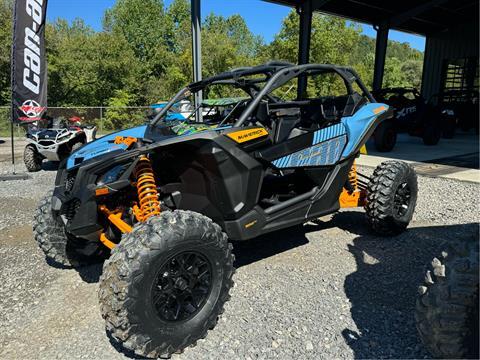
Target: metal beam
413, 12
380, 55
197, 53
305, 36
319, 4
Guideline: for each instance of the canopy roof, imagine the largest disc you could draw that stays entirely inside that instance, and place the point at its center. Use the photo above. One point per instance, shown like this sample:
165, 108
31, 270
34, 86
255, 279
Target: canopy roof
415, 16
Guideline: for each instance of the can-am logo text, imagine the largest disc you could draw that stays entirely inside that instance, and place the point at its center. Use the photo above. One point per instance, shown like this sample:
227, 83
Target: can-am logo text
32, 54
32, 109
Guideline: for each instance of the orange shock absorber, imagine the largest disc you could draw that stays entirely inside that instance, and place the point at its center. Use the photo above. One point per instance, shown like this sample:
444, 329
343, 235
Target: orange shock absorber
147, 189
352, 176
356, 197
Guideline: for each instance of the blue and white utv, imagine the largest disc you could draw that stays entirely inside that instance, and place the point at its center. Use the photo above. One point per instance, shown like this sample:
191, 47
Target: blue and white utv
162, 201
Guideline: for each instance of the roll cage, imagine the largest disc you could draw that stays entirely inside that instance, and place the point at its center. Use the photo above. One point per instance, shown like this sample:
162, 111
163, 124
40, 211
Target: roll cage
275, 74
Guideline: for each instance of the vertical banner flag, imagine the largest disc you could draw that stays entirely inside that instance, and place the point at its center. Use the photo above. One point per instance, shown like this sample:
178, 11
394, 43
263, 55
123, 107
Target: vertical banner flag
29, 70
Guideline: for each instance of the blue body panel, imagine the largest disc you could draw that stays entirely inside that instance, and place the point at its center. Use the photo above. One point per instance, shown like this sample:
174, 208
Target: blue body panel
326, 149
359, 124
104, 145
329, 145
171, 115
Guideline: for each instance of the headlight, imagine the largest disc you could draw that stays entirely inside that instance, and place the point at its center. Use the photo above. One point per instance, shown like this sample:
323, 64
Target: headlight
112, 174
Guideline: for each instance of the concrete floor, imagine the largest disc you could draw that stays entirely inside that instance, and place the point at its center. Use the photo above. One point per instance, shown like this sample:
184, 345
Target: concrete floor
452, 158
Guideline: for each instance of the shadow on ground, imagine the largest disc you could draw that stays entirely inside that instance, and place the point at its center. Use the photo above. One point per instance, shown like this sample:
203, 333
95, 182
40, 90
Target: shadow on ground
50, 165
383, 290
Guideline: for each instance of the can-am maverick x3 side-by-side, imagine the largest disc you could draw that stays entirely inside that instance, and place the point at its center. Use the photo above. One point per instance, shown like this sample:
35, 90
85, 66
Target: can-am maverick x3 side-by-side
163, 200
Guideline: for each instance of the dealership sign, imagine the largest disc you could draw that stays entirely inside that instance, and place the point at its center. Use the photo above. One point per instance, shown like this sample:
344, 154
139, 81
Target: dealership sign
29, 71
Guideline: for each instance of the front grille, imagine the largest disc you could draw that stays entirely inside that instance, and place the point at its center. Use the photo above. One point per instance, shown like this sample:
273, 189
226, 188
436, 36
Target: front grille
46, 142
71, 208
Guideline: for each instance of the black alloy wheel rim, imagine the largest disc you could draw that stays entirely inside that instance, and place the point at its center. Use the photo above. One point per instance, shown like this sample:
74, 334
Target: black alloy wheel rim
182, 286
401, 202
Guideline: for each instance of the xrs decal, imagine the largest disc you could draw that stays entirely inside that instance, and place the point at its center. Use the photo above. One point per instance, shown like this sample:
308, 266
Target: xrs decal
327, 147
406, 111
325, 153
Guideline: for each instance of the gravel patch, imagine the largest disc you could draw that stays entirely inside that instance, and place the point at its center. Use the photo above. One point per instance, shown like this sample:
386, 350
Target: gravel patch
328, 289
19, 198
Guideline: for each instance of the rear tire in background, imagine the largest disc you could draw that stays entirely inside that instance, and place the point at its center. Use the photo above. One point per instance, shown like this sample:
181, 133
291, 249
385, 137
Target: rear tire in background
446, 311
60, 249
166, 283
391, 197
32, 159
449, 127
431, 134
385, 136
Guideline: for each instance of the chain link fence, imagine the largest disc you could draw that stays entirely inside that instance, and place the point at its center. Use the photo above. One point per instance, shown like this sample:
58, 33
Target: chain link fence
107, 119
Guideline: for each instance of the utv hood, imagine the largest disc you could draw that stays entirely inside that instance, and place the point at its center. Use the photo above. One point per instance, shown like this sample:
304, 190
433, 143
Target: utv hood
103, 146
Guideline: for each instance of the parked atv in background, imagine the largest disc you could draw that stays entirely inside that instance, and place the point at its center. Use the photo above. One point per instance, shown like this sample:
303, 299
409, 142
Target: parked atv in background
56, 142
466, 106
447, 305
413, 115
161, 201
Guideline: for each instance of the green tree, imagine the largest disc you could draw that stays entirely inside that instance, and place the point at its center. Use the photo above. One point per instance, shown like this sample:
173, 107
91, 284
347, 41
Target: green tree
412, 72
85, 67
331, 43
6, 10
393, 76
118, 116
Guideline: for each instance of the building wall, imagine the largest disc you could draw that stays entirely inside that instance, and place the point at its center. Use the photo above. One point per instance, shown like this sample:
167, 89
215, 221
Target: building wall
458, 42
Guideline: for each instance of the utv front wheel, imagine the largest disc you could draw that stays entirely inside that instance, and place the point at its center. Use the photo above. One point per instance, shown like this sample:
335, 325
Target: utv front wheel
447, 306
32, 159
166, 283
60, 249
391, 197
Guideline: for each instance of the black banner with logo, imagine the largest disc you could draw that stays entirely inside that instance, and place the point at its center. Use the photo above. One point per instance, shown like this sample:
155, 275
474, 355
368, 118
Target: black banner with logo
29, 70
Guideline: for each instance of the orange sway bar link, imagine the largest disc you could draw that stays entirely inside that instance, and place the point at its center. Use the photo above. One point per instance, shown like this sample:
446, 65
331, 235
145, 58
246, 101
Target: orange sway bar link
115, 219
109, 244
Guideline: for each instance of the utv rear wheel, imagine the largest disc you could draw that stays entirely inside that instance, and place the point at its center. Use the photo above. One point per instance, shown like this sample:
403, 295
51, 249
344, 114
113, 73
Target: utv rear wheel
431, 134
385, 136
447, 306
32, 159
60, 249
166, 283
391, 197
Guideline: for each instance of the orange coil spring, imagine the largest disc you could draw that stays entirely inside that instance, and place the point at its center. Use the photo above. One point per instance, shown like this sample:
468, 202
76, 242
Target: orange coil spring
352, 176
147, 189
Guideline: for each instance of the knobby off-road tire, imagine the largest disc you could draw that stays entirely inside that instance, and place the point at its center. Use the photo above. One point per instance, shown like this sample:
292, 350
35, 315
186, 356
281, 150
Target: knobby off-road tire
385, 136
447, 307
391, 197
133, 274
60, 249
432, 133
32, 159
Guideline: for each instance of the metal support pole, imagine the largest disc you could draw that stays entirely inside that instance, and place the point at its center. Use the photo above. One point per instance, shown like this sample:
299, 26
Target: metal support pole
197, 53
305, 11
13, 147
380, 55
13, 176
